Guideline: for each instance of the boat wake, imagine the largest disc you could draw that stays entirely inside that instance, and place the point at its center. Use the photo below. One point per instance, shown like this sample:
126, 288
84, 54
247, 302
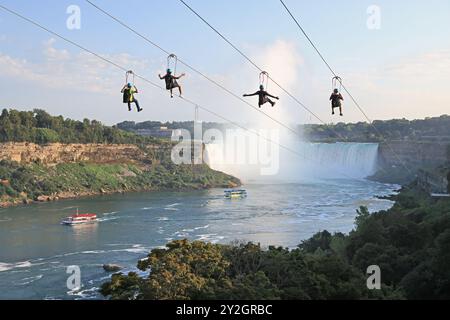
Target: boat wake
16, 265
26, 281
110, 213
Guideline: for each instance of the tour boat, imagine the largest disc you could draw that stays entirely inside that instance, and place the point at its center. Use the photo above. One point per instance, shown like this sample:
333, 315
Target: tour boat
78, 218
235, 194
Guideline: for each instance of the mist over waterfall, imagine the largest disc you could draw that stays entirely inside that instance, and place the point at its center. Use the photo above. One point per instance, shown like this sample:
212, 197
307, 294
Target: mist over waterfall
312, 161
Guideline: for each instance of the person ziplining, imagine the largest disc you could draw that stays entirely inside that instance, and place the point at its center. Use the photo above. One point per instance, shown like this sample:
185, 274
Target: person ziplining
171, 82
171, 79
262, 94
129, 90
336, 97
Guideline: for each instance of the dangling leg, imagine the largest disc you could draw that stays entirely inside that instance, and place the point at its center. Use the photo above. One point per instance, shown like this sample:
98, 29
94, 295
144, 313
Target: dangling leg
263, 101
271, 102
139, 109
181, 90
171, 93
332, 110
129, 106
340, 109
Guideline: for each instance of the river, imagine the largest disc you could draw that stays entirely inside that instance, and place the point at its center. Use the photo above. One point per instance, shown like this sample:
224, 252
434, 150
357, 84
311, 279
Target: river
36, 249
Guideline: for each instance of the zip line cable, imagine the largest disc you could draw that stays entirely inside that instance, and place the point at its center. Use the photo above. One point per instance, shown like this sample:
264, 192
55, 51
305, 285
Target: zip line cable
260, 69
157, 86
322, 57
145, 38
343, 86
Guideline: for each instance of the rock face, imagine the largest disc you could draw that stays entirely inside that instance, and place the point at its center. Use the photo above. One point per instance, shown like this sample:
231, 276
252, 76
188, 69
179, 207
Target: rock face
112, 267
414, 154
56, 153
434, 181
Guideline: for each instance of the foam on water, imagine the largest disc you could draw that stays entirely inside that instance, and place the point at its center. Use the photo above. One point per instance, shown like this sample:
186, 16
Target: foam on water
11, 266
29, 280
110, 213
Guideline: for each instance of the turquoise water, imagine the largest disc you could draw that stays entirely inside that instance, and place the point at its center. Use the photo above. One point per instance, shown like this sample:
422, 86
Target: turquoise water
36, 250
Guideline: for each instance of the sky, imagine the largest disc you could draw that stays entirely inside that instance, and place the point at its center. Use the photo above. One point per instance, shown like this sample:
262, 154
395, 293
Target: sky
400, 70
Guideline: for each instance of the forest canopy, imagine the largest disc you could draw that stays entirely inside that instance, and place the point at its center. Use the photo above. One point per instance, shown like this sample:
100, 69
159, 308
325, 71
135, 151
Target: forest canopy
39, 127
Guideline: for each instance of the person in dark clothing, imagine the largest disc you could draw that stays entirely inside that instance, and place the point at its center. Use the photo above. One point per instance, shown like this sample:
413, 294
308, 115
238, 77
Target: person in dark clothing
335, 99
263, 96
128, 96
171, 82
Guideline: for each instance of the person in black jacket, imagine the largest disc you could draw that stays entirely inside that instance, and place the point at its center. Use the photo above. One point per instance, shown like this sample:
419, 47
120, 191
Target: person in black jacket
335, 99
263, 96
171, 82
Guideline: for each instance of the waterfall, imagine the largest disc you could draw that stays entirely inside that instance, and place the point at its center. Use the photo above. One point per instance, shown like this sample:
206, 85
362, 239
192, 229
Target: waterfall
356, 160
314, 161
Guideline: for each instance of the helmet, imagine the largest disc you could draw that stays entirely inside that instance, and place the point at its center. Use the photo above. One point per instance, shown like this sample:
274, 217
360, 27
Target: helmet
129, 85
169, 71
261, 87
336, 90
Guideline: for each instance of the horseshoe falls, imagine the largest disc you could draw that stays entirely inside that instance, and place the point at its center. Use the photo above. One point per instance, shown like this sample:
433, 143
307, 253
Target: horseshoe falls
311, 161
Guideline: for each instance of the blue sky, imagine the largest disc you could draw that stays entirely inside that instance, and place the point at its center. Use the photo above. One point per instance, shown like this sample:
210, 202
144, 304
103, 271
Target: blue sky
397, 71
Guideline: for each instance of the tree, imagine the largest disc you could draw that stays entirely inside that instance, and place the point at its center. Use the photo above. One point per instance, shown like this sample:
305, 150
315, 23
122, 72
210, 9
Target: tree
43, 136
362, 215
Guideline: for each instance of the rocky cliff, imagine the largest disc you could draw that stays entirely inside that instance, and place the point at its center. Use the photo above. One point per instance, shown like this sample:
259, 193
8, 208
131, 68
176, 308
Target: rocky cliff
435, 180
414, 154
56, 153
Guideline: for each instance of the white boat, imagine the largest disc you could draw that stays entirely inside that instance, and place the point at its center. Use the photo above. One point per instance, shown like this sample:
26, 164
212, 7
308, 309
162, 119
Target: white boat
235, 194
78, 218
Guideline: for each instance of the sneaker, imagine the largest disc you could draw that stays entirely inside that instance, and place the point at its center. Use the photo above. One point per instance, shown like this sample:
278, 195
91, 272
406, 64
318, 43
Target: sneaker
332, 113
342, 115
139, 110
273, 103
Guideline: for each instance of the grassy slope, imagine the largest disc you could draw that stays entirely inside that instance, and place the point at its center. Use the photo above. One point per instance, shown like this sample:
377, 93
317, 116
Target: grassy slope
29, 182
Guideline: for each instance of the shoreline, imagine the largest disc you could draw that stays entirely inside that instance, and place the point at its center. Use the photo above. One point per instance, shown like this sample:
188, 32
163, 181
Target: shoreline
92, 194
84, 195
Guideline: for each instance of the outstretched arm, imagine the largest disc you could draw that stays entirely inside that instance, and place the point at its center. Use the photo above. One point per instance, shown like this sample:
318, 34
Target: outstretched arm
180, 76
252, 94
272, 96
160, 76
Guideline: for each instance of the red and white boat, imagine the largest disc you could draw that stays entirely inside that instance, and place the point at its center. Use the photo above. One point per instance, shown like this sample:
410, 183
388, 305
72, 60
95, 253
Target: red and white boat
78, 218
